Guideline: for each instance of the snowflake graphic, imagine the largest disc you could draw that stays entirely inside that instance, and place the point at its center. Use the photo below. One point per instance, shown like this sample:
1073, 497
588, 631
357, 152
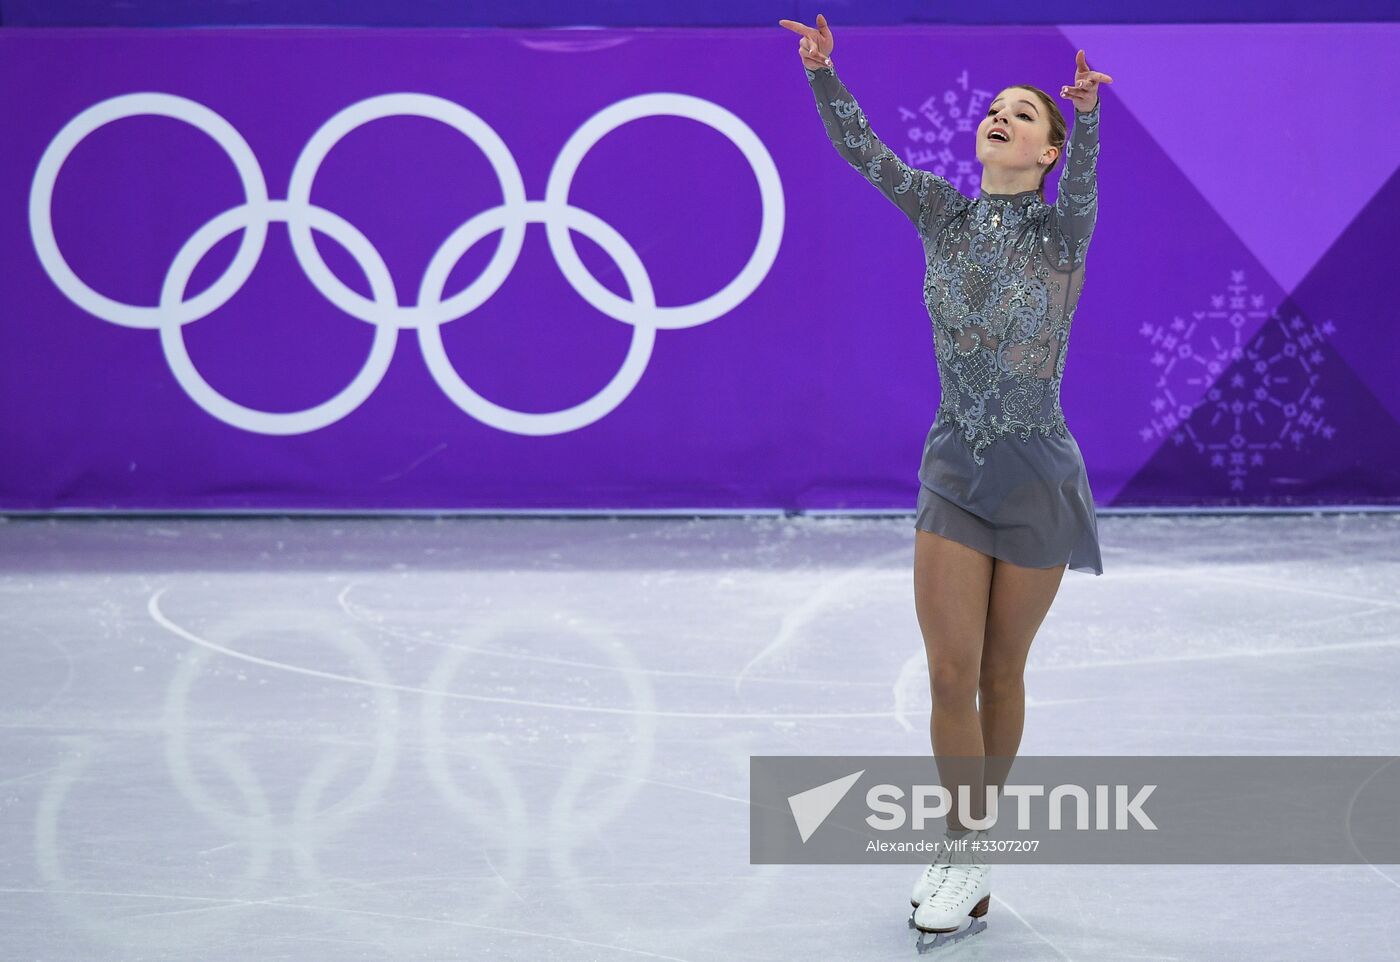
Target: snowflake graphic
937, 122
1268, 402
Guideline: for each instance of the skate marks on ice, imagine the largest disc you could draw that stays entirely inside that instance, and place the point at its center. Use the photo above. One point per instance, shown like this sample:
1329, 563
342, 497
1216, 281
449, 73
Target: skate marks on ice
594, 790
332, 807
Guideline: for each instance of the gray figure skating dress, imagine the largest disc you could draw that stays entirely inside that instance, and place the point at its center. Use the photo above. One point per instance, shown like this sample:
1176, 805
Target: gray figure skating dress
1001, 471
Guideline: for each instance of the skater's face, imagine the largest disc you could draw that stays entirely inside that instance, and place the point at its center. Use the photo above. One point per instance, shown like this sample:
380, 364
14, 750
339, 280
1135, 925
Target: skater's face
1020, 116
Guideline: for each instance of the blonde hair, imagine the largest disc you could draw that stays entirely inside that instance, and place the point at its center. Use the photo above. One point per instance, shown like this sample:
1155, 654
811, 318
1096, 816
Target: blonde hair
1059, 131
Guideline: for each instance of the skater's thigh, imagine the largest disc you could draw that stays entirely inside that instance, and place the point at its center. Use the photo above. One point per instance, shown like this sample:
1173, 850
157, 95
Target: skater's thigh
1020, 599
952, 587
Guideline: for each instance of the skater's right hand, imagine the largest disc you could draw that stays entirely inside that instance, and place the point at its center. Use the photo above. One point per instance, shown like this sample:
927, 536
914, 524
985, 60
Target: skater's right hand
816, 45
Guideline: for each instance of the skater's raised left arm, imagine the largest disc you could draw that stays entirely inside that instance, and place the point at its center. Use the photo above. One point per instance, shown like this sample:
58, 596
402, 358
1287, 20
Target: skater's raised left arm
1077, 203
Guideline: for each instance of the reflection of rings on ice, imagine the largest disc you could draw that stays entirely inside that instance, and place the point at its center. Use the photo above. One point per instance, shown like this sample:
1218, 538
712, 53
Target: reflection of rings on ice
306, 626
133, 932
637, 726
309, 827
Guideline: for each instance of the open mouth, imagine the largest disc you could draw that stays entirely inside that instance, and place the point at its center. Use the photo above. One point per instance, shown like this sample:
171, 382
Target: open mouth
999, 136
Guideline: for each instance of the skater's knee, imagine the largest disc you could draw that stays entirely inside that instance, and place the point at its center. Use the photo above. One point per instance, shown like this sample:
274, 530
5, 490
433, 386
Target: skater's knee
952, 681
1001, 686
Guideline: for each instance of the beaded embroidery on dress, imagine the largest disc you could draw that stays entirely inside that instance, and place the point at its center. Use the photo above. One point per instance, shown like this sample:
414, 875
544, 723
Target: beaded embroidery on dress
1001, 470
1004, 273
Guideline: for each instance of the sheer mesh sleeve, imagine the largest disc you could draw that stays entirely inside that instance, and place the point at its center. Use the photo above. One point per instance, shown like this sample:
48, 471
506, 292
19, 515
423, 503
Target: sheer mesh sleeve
1077, 204
921, 194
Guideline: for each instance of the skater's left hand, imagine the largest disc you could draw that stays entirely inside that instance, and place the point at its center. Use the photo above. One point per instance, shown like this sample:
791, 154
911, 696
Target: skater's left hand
1085, 91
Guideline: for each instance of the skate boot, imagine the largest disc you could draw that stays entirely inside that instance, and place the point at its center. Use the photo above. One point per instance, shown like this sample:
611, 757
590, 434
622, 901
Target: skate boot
955, 909
929, 880
960, 896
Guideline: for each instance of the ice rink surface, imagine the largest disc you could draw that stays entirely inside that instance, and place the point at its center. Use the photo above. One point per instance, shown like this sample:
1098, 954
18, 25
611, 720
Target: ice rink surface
526, 739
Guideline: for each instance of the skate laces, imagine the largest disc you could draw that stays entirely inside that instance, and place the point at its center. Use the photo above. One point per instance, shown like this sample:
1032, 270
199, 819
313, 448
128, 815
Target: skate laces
935, 872
950, 891
948, 885
942, 860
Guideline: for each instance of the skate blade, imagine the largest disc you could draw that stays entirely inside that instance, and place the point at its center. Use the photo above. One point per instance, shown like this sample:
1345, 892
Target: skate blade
936, 940
928, 941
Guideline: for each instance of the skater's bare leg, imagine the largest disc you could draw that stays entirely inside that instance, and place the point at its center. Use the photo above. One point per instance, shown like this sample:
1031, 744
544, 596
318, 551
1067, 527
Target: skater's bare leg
952, 590
1019, 600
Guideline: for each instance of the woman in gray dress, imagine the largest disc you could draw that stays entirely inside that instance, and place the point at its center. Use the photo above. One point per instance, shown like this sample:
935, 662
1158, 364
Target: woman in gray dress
1004, 503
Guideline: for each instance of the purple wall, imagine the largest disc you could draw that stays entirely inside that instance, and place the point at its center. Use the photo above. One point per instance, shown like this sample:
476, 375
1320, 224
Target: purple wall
722, 313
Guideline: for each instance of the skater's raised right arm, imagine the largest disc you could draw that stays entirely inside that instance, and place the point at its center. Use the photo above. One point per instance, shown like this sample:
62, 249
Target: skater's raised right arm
920, 194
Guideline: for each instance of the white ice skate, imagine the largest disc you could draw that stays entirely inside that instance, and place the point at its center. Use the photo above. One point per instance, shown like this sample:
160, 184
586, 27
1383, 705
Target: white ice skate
945, 856
954, 910
952, 895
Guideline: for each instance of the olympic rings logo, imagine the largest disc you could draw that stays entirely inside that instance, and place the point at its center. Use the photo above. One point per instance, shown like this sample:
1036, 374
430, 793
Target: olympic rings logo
382, 309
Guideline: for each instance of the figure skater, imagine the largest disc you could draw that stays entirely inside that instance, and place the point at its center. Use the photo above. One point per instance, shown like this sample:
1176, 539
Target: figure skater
1004, 503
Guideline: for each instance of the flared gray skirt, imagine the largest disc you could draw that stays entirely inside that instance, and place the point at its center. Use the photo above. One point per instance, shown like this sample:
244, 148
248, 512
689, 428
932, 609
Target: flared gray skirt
1029, 504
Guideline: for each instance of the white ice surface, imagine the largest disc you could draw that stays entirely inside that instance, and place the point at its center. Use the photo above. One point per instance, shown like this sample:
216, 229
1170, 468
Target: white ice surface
528, 739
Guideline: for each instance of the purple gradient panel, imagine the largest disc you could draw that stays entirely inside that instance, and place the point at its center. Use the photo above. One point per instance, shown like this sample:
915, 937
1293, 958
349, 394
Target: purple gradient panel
813, 391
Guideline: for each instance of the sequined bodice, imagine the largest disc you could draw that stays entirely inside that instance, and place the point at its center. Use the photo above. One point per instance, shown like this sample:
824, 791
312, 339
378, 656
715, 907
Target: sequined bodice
1004, 273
